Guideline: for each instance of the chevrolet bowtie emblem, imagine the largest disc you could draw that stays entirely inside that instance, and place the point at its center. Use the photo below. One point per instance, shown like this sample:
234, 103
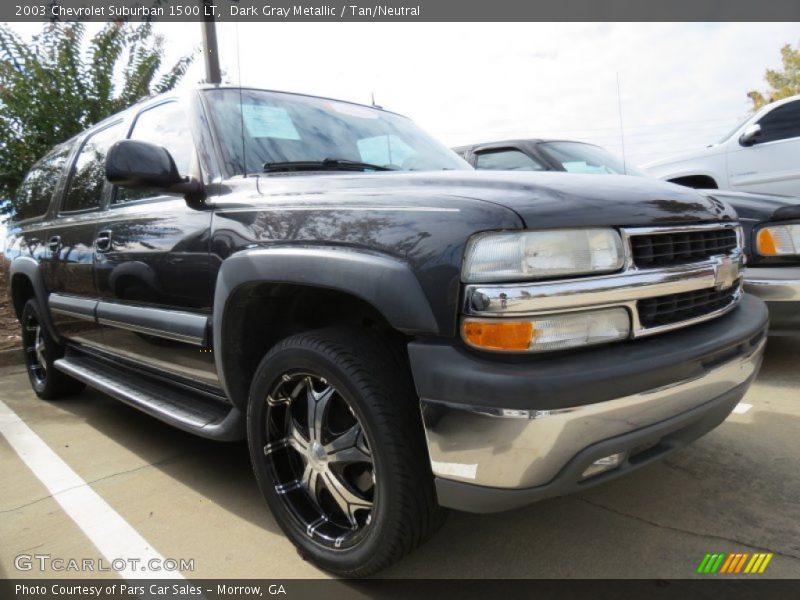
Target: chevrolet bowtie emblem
726, 272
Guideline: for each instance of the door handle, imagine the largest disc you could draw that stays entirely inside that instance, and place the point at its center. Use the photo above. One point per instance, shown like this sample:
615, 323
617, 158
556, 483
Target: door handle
103, 241
54, 244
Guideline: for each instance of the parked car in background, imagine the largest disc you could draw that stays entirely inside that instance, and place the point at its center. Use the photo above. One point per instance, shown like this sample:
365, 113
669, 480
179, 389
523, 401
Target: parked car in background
771, 223
393, 332
762, 154
545, 155
772, 240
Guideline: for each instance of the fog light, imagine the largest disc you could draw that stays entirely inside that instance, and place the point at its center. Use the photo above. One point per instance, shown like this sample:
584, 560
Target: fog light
606, 463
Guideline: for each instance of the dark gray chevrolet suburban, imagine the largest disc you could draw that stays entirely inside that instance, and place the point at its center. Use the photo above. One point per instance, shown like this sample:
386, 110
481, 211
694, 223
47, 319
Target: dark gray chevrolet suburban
393, 332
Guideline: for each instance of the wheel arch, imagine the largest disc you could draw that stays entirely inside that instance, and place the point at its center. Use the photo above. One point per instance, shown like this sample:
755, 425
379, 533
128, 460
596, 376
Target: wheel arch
25, 282
263, 295
698, 181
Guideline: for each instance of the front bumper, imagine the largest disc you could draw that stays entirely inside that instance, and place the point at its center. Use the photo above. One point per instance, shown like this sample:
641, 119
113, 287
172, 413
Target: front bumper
779, 287
502, 434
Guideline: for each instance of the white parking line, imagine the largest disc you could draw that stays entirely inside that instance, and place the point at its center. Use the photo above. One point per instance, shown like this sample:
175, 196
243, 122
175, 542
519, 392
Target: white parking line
112, 535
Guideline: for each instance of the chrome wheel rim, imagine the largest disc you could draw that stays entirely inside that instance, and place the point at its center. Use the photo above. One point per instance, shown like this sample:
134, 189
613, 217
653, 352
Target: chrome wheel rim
319, 459
35, 349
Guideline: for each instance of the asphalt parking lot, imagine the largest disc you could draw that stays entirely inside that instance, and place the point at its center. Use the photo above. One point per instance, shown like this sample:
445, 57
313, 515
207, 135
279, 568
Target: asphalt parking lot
736, 490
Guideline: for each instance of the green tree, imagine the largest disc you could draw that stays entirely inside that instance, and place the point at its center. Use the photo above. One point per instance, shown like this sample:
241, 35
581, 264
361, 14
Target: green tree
55, 86
783, 82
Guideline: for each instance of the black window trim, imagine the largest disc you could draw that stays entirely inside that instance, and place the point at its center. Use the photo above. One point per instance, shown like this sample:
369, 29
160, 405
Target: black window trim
70, 173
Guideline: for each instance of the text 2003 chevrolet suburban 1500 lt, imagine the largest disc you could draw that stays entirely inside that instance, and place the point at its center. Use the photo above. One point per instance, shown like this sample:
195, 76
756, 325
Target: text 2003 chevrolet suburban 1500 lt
392, 332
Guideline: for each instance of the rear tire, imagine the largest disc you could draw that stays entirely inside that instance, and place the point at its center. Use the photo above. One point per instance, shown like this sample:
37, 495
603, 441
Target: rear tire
41, 351
338, 449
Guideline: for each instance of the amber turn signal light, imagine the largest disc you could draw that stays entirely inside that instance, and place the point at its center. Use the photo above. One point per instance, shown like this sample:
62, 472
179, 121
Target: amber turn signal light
501, 335
766, 243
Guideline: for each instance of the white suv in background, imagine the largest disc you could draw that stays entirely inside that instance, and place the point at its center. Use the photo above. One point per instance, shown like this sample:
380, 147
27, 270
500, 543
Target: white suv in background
760, 155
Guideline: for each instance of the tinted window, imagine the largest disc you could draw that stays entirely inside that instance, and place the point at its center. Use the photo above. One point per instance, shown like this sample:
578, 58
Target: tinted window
36, 191
507, 160
165, 125
577, 157
85, 188
781, 123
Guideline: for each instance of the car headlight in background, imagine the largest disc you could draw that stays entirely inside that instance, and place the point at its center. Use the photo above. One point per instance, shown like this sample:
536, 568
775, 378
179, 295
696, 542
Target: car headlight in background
526, 255
548, 332
778, 240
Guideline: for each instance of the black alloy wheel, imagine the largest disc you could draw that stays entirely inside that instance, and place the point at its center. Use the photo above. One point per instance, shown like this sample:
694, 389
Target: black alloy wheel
338, 450
41, 351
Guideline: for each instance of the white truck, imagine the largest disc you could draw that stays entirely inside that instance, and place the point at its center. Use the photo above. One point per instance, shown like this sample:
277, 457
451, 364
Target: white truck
762, 154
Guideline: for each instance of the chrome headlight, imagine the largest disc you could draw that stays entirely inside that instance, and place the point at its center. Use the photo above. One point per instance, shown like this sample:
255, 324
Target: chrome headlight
525, 255
778, 240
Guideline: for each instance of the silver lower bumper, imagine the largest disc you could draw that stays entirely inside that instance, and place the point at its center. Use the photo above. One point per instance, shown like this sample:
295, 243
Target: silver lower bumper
520, 449
773, 284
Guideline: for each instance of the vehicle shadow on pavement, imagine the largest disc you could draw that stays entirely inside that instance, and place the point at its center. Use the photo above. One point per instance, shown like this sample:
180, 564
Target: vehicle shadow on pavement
733, 490
219, 471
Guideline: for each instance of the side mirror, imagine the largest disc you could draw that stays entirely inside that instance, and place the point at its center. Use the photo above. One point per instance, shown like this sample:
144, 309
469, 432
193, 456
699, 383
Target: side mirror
750, 135
138, 164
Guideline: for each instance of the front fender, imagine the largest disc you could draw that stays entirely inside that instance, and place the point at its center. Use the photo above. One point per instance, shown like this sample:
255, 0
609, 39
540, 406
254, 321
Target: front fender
386, 283
29, 267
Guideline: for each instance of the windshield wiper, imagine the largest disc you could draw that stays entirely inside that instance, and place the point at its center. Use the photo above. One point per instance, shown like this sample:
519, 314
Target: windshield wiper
326, 164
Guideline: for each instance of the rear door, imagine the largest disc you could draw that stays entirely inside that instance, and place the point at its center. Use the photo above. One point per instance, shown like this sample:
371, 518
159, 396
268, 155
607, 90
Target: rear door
772, 163
153, 274
69, 271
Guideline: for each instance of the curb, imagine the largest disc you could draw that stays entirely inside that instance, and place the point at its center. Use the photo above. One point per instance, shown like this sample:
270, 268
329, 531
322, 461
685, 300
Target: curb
11, 357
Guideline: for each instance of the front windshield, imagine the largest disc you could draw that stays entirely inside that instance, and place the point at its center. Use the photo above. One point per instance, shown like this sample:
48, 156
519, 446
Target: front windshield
280, 128
577, 157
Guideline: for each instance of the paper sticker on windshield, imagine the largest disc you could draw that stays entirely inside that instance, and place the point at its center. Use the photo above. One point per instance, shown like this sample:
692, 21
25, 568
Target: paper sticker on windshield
268, 122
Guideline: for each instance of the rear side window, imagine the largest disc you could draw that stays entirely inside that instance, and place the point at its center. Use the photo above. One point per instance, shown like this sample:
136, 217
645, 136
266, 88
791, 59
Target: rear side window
507, 160
88, 176
36, 191
165, 125
780, 124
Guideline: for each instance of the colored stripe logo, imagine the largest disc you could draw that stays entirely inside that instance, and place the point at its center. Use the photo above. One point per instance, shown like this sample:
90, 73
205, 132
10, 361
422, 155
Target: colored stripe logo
734, 563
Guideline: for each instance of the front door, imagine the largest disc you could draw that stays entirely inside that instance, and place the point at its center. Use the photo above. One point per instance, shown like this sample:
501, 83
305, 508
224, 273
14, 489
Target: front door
772, 164
152, 273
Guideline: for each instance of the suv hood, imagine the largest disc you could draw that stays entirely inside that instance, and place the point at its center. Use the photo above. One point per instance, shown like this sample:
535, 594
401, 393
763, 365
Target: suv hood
540, 199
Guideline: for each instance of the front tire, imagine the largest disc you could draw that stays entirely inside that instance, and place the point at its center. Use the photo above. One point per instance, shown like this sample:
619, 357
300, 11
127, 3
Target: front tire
338, 449
41, 351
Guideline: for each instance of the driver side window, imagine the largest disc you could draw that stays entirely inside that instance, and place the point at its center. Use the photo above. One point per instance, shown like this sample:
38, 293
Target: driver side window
165, 125
780, 124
